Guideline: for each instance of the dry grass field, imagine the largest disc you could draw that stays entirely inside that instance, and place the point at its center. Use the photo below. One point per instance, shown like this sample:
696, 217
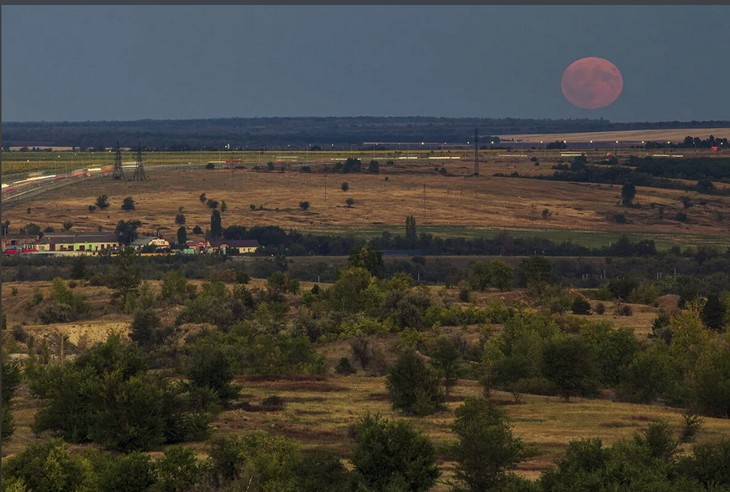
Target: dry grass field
456, 204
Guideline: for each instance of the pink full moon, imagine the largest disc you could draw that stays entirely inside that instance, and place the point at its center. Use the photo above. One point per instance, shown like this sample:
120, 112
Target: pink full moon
591, 83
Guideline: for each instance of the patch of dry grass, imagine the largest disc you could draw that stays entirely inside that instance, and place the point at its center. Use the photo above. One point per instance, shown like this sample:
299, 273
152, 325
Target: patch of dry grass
444, 204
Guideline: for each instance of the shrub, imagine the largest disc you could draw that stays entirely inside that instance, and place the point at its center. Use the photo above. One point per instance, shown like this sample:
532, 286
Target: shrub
128, 204
414, 387
391, 455
272, 403
581, 306
600, 308
345, 186
49, 466
344, 367
624, 310
178, 470
691, 426
304, 205
102, 202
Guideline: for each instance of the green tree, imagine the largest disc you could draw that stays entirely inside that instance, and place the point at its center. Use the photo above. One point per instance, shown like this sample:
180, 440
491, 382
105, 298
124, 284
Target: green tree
350, 202
128, 204
177, 471
180, 219
502, 274
536, 270
713, 313
345, 186
486, 448
569, 363
446, 359
102, 202
208, 366
175, 288
348, 293
374, 167
628, 192
78, 268
216, 228
10, 383
391, 455
368, 258
126, 276
122, 473
49, 466
580, 305
145, 327
414, 387
256, 461
126, 231
182, 236
304, 205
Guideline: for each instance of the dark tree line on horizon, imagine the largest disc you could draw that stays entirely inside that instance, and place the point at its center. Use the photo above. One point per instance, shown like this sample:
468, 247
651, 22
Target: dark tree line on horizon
303, 132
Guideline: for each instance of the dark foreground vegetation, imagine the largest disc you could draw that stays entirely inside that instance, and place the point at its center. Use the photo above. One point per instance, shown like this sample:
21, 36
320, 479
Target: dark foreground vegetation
166, 382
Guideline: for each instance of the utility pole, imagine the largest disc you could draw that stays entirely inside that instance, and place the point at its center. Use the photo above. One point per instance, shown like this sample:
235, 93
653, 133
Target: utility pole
118, 171
476, 151
139, 174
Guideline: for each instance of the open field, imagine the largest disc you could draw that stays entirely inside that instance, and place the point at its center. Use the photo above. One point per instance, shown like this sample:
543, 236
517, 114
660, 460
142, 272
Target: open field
65, 160
672, 135
454, 205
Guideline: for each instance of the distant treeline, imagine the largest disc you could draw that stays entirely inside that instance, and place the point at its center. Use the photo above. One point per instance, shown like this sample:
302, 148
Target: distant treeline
646, 171
277, 241
303, 132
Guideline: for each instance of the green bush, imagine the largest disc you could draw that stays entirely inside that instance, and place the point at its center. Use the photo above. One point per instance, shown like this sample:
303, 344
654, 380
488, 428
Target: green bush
414, 387
391, 455
486, 448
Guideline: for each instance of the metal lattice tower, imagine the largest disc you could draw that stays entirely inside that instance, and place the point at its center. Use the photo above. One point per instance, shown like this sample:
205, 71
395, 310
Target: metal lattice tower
118, 171
476, 151
139, 174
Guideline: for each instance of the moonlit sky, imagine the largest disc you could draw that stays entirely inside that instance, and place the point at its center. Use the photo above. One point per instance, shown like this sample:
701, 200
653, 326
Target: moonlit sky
75, 63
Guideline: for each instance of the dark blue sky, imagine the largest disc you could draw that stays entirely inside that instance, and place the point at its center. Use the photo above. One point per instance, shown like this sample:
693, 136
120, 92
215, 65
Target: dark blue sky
131, 62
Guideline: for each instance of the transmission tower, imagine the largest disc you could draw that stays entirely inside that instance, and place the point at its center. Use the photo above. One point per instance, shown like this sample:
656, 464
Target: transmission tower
476, 151
118, 171
139, 174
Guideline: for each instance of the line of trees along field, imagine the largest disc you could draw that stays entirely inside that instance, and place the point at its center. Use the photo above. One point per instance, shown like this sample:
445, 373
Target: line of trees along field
214, 134
133, 394
646, 171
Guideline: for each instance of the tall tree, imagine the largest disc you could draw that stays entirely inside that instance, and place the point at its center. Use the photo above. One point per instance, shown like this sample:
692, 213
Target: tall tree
713, 313
216, 228
486, 448
628, 192
182, 236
